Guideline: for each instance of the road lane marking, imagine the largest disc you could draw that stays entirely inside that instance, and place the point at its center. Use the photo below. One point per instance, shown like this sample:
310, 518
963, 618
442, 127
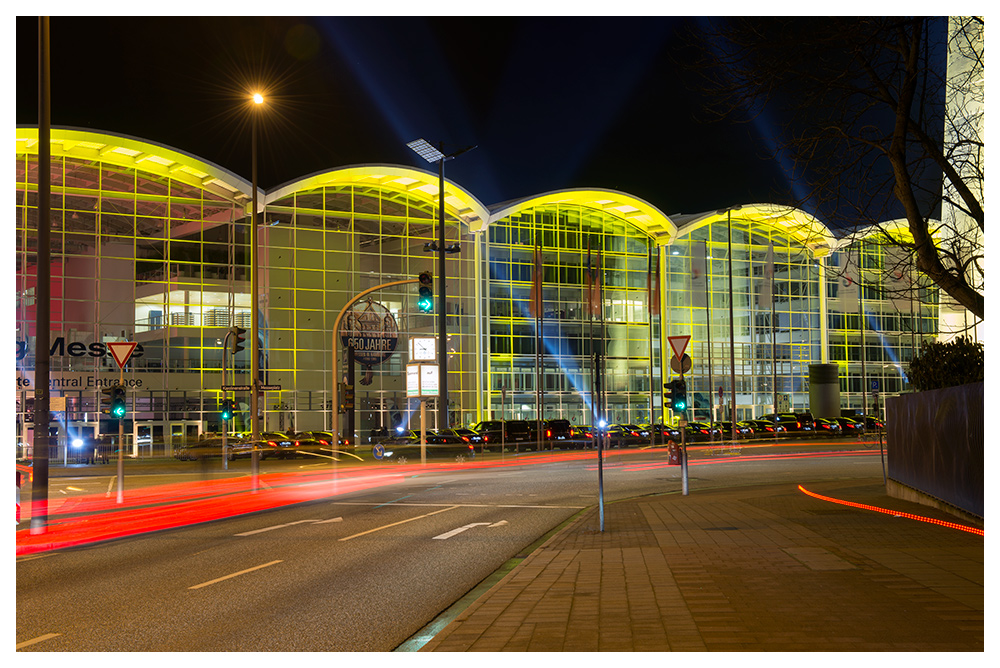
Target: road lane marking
232, 575
47, 636
455, 532
459, 505
282, 526
276, 526
398, 523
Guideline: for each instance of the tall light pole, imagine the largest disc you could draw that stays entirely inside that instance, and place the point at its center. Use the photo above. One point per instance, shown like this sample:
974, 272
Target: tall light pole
425, 150
732, 345
258, 100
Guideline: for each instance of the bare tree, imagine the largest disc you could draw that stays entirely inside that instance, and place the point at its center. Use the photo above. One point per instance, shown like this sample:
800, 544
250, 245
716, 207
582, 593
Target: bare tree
876, 119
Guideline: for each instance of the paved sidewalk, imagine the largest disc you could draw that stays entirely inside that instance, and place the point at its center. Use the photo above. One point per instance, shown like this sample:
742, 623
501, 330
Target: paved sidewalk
750, 569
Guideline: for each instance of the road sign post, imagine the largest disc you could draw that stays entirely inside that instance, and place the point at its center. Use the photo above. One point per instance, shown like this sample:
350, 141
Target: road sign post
681, 363
121, 351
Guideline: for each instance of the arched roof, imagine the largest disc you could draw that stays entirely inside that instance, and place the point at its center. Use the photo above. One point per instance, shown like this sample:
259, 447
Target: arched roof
638, 212
417, 182
795, 223
139, 154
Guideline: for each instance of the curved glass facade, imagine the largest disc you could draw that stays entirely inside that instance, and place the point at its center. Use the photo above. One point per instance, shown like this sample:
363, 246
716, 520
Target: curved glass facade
152, 245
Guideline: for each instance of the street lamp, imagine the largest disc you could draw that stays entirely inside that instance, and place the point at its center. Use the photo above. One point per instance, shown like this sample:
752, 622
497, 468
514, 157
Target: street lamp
258, 100
425, 150
732, 345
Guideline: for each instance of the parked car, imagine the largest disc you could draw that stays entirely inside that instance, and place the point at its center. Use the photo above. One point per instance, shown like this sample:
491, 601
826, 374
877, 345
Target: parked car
623, 435
828, 427
766, 428
791, 422
438, 446
210, 447
508, 431
701, 431
850, 427
664, 432
743, 430
468, 435
872, 423
326, 439
557, 430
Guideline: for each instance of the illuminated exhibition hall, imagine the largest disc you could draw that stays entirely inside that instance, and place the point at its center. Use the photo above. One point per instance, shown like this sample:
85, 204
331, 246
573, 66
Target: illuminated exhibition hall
151, 245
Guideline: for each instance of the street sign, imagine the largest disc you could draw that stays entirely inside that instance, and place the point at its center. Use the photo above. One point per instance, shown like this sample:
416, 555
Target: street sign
682, 365
875, 385
268, 388
121, 351
235, 388
378, 451
679, 344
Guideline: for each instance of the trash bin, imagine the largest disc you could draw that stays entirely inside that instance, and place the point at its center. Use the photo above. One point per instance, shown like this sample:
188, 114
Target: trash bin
673, 454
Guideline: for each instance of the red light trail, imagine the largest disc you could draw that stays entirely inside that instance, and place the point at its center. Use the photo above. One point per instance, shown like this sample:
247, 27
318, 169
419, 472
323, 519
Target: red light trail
894, 513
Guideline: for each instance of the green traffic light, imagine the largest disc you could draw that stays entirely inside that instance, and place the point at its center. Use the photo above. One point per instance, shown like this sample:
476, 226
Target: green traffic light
118, 409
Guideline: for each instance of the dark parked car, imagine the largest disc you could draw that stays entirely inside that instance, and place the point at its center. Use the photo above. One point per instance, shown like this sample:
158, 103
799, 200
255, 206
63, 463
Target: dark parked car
791, 422
557, 430
663, 432
467, 435
509, 431
828, 427
765, 427
438, 446
702, 431
851, 427
743, 430
212, 447
325, 439
872, 423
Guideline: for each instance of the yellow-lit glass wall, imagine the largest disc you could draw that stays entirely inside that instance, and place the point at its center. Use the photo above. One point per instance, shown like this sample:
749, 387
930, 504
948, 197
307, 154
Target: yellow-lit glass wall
570, 334
138, 254
322, 246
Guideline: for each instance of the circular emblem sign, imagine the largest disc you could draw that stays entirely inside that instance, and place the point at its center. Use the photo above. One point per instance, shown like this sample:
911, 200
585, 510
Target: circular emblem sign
371, 330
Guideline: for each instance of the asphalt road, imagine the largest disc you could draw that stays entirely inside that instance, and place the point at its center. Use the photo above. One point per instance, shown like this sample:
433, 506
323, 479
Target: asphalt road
360, 572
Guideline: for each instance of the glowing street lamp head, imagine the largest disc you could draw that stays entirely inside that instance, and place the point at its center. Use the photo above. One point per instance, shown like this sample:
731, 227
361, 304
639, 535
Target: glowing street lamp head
258, 98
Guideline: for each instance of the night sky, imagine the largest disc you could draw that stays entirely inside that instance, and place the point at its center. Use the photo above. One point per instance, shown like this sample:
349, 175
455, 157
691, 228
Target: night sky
551, 103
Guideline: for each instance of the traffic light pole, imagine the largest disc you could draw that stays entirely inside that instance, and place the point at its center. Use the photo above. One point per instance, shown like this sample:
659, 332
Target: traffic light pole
121, 444
335, 405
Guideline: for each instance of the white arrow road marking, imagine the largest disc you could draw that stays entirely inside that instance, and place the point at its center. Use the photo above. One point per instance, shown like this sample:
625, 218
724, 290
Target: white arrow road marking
282, 526
455, 532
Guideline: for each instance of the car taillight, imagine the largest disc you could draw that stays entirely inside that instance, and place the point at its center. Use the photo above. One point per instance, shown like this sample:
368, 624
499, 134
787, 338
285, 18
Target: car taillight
272, 444
798, 425
704, 431
465, 438
323, 442
486, 439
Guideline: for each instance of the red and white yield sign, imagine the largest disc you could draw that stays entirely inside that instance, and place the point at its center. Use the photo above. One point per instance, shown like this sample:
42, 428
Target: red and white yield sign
121, 351
679, 344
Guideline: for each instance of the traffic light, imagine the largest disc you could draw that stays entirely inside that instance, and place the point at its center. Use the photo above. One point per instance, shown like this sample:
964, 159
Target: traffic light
227, 410
425, 298
348, 397
107, 395
118, 407
678, 398
237, 340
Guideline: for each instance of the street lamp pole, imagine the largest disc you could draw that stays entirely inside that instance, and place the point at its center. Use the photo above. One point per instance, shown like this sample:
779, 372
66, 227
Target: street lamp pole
732, 338
258, 99
428, 152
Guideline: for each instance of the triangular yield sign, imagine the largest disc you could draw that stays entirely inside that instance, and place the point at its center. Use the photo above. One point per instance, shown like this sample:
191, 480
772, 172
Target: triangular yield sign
679, 344
121, 351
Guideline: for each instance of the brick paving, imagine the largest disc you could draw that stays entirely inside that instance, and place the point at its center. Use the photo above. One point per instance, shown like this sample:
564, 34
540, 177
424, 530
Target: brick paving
747, 569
